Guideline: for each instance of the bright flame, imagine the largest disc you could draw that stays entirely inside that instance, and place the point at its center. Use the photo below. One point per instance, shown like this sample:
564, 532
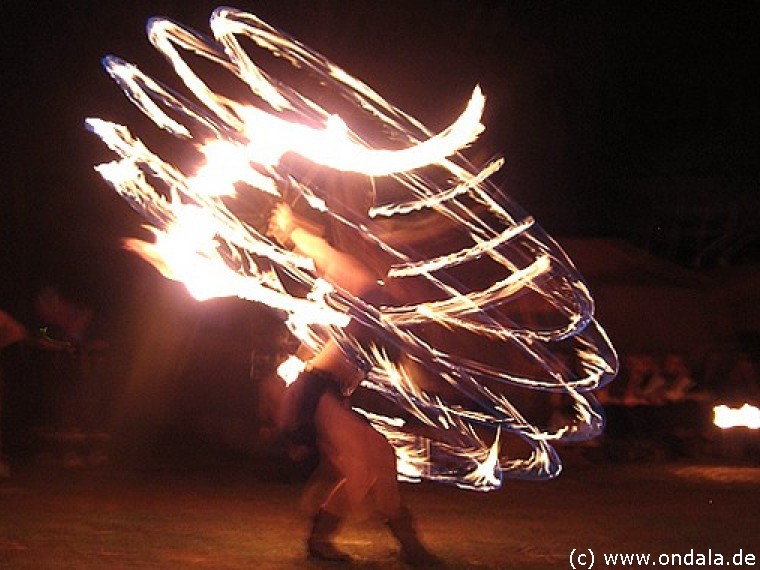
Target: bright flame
226, 164
333, 146
747, 416
529, 307
487, 475
290, 369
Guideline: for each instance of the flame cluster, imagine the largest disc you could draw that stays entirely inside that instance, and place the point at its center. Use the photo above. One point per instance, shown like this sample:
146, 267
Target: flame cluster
486, 318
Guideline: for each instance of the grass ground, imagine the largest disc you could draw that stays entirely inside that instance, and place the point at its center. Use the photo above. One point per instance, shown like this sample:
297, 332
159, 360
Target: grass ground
244, 516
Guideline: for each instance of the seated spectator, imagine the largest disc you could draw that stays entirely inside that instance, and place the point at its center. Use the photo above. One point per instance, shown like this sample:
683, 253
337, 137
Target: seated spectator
679, 382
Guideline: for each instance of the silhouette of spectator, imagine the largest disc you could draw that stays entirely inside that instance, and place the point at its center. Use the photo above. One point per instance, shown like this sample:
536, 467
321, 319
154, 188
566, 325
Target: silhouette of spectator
11, 332
73, 359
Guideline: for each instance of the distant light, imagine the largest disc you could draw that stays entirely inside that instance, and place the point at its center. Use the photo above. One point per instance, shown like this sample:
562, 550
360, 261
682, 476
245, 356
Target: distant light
747, 416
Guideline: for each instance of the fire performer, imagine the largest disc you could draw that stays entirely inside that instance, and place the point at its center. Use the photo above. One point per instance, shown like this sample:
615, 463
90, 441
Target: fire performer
357, 464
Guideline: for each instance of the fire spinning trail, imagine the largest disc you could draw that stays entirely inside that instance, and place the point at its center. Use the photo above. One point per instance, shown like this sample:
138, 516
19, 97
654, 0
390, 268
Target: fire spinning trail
494, 324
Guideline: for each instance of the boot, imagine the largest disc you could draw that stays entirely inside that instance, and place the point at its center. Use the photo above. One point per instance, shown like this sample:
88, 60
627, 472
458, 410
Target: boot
319, 545
413, 552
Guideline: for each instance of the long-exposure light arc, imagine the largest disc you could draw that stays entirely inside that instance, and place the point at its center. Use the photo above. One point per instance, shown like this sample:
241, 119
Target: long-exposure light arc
478, 331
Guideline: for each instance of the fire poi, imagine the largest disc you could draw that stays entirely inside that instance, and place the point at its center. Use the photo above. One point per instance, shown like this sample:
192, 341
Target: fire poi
494, 322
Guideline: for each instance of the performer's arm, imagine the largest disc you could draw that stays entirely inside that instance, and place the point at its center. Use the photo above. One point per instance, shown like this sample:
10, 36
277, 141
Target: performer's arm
337, 267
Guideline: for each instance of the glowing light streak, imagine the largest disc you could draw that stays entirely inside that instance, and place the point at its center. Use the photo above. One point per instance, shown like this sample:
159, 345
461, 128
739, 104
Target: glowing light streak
334, 148
463, 256
532, 308
470, 302
487, 474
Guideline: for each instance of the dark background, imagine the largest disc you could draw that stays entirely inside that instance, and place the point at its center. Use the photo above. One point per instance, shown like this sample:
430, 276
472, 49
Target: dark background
632, 120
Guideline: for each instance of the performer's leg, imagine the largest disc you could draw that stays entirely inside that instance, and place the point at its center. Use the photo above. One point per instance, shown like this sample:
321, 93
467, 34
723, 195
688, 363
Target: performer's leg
382, 459
413, 551
344, 444
388, 502
365, 463
325, 526
333, 490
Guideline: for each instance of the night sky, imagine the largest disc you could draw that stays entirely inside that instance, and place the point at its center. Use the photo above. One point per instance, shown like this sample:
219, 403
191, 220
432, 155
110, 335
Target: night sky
589, 102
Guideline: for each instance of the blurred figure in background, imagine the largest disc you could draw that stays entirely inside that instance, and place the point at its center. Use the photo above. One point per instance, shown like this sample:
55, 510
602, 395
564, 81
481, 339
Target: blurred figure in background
75, 413
11, 332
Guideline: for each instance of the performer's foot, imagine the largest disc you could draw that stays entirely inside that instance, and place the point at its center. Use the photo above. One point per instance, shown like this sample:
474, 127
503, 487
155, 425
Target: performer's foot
319, 545
327, 551
413, 552
421, 558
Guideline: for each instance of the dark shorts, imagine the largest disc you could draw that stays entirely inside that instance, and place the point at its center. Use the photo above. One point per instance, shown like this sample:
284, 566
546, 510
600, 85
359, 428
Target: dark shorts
303, 397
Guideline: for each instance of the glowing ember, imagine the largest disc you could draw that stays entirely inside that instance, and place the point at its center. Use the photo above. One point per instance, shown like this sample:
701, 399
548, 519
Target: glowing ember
486, 313
747, 416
